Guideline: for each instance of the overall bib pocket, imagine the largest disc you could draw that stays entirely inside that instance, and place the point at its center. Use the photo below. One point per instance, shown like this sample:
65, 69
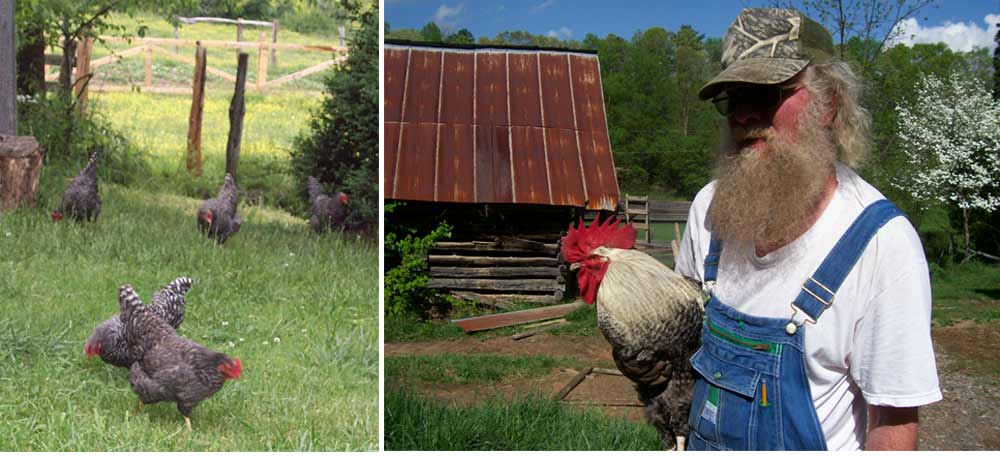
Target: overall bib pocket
724, 407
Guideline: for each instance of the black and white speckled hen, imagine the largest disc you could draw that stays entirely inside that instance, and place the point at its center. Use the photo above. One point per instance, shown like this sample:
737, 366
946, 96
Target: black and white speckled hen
649, 314
217, 216
81, 200
328, 211
170, 367
108, 338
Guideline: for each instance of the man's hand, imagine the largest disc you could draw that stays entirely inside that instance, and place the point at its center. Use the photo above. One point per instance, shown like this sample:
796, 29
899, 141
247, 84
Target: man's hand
891, 428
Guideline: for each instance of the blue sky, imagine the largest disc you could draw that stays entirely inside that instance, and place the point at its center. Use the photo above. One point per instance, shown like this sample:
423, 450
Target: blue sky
961, 24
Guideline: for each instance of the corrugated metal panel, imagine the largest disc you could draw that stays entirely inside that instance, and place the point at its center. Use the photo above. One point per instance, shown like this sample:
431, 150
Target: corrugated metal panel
496, 126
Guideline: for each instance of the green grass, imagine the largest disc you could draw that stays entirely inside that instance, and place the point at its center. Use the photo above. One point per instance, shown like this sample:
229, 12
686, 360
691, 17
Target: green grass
447, 368
522, 424
969, 291
300, 310
406, 328
158, 125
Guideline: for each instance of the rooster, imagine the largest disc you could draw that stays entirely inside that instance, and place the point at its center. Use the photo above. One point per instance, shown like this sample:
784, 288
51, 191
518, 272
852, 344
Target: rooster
328, 212
649, 314
81, 200
169, 367
108, 338
217, 216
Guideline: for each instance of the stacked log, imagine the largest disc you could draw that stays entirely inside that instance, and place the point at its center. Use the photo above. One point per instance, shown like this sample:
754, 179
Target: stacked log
501, 269
20, 167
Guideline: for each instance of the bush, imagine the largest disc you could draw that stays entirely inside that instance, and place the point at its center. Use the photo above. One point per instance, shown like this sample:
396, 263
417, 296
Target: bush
406, 279
342, 145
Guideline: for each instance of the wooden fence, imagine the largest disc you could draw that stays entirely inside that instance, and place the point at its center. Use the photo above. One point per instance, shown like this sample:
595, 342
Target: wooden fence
158, 47
643, 213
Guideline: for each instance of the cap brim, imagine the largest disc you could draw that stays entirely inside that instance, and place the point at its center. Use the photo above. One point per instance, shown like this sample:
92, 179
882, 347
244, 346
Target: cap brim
753, 71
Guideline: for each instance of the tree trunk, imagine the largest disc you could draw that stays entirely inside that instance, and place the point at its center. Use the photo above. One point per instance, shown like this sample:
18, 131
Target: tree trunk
31, 63
968, 246
66, 68
20, 166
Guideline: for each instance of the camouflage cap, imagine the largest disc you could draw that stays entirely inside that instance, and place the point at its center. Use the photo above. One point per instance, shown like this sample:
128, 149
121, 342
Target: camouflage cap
769, 46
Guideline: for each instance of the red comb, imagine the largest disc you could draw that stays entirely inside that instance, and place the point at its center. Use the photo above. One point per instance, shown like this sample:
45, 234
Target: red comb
580, 241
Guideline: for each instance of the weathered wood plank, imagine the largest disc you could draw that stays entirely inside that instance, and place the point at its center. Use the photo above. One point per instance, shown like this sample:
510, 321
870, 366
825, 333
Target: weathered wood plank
193, 159
516, 318
504, 301
572, 383
227, 44
547, 326
507, 271
498, 285
300, 74
490, 261
237, 109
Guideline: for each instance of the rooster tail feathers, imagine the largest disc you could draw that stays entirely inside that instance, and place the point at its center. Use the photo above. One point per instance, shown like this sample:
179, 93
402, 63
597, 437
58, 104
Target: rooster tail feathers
314, 187
128, 302
180, 285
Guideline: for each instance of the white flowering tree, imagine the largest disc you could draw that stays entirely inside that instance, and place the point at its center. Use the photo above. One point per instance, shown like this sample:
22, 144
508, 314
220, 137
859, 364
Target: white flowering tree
951, 137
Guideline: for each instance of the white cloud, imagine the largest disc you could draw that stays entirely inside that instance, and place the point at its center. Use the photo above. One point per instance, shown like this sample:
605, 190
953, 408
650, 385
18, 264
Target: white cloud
446, 16
563, 33
959, 36
545, 4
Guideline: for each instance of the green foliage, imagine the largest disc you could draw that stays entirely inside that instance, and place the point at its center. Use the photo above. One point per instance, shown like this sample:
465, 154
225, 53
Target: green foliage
431, 33
403, 327
521, 424
342, 146
406, 280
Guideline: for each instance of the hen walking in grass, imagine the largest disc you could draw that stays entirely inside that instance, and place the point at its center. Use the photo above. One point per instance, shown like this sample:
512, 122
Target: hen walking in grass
81, 200
217, 216
328, 211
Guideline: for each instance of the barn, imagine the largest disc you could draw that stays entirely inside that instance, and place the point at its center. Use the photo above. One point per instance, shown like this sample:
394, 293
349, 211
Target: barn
508, 145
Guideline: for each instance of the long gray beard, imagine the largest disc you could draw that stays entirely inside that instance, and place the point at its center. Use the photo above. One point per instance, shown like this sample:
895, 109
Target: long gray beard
762, 197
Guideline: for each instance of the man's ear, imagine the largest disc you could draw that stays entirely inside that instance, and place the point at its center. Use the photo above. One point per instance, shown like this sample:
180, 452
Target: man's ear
830, 113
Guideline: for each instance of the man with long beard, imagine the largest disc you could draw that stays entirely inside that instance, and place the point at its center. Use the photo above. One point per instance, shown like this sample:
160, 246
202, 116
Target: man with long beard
817, 332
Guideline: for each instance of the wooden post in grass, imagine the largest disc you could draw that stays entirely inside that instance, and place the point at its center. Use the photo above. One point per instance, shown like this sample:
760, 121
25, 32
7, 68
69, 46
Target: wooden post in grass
261, 60
236, 111
20, 166
149, 67
83, 73
8, 77
197, 107
274, 39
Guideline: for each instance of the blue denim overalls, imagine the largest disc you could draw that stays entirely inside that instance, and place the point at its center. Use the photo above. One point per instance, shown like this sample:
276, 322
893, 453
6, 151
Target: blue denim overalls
752, 392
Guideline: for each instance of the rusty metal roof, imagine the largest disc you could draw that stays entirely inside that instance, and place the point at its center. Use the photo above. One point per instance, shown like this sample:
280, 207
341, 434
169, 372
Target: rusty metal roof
496, 125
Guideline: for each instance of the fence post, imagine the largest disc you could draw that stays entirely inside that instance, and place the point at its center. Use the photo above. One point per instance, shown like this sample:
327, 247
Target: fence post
83, 73
274, 39
343, 34
262, 60
236, 111
149, 67
197, 107
177, 36
8, 78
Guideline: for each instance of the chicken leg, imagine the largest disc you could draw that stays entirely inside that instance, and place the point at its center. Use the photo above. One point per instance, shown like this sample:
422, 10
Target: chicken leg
187, 422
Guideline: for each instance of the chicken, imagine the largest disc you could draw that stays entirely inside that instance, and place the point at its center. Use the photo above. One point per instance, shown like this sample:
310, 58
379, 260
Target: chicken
81, 201
649, 314
217, 217
328, 212
108, 338
169, 367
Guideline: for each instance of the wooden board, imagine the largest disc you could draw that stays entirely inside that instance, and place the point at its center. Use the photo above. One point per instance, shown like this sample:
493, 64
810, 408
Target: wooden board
516, 318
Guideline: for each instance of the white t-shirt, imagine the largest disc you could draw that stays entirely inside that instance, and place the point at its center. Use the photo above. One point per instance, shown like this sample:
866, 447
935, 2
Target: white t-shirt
873, 345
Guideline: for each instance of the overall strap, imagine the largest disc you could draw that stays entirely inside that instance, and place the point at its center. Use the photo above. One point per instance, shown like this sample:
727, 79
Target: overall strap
712, 259
819, 290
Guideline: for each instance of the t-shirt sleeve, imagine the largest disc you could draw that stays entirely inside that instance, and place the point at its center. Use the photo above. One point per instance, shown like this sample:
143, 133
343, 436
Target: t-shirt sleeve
689, 261
892, 358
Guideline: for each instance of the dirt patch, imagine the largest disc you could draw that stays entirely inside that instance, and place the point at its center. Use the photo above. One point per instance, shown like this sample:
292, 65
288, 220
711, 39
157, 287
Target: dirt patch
968, 361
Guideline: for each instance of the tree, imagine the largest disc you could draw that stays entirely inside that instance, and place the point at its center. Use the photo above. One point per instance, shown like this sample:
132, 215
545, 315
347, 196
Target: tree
463, 36
431, 33
342, 144
996, 64
951, 136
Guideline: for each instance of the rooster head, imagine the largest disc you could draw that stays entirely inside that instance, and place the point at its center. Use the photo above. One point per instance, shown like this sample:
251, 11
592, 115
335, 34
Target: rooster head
56, 216
231, 369
343, 198
578, 249
92, 349
205, 216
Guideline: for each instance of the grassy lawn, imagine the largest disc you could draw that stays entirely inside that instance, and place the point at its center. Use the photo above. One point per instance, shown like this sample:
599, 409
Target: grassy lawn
301, 312
413, 422
463, 369
968, 291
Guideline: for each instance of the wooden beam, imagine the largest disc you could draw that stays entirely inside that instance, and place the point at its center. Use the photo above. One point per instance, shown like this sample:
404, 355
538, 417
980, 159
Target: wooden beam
490, 261
548, 326
274, 39
499, 246
497, 285
226, 44
501, 320
114, 58
507, 271
262, 60
220, 20
300, 74
572, 383
195, 119
237, 109
503, 301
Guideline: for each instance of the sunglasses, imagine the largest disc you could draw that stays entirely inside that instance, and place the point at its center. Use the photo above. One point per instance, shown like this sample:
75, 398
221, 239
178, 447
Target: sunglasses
752, 97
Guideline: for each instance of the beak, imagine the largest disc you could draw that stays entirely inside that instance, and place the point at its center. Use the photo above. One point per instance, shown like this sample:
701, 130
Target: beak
574, 266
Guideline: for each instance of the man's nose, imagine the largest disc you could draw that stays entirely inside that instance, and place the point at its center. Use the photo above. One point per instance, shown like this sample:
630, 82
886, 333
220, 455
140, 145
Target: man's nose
745, 115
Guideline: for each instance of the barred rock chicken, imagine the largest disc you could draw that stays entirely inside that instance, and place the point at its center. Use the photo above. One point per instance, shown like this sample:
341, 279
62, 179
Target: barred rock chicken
217, 216
81, 201
649, 314
170, 367
108, 338
328, 212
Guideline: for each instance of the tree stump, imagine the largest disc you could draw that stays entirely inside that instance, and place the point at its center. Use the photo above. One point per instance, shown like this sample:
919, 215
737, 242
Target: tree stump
20, 165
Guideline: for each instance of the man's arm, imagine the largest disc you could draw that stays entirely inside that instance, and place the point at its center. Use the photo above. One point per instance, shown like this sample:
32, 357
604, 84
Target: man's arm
891, 428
